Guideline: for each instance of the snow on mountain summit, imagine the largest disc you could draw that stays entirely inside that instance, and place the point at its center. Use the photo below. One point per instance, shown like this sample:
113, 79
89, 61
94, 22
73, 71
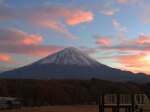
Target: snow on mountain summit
69, 56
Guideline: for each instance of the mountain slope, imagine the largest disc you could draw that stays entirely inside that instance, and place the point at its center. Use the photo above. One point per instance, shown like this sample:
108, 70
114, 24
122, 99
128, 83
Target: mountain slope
69, 56
71, 63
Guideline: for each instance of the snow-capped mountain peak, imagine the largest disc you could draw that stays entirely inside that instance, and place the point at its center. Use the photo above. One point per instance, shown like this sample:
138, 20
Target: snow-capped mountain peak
69, 56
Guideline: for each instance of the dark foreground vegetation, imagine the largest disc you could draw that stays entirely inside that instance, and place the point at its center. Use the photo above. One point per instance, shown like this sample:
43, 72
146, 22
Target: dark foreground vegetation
60, 108
64, 92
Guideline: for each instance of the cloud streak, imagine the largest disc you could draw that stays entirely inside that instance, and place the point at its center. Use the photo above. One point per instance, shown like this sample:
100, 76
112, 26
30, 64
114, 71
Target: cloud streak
134, 56
143, 39
118, 26
51, 17
19, 42
79, 17
104, 41
136, 62
108, 9
17, 37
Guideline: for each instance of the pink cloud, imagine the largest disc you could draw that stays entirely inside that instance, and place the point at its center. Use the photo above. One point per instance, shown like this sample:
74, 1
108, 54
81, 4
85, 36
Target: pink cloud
33, 39
70, 16
55, 14
136, 63
132, 55
52, 17
16, 37
4, 58
19, 42
104, 41
56, 26
133, 60
142, 39
79, 17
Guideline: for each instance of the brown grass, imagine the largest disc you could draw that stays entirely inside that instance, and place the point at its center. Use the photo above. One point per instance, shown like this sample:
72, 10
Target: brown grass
79, 108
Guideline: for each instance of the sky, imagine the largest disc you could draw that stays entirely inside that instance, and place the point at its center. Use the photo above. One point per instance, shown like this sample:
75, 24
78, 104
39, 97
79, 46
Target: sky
114, 32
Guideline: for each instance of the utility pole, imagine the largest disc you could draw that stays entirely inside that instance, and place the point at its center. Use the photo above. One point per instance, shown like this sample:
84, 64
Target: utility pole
101, 102
133, 102
118, 102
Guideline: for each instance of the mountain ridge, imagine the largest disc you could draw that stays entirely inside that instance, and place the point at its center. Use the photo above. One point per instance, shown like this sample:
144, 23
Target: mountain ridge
71, 63
68, 56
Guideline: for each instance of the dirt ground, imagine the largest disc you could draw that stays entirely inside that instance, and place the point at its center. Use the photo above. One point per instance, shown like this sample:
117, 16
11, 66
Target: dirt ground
78, 108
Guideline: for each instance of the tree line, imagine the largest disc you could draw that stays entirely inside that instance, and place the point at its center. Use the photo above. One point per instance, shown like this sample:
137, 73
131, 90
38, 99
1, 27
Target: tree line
64, 92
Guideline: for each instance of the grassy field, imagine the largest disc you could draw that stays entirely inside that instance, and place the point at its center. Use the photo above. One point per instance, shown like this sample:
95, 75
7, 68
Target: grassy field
80, 108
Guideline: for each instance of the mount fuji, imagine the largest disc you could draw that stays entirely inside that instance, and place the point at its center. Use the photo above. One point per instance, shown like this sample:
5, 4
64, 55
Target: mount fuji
71, 63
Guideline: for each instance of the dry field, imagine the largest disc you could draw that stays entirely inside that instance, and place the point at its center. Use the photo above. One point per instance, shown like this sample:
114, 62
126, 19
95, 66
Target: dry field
57, 109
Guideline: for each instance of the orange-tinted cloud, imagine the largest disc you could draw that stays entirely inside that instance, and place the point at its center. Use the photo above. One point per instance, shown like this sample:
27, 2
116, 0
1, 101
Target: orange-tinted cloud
4, 58
15, 37
132, 55
56, 26
104, 41
33, 39
19, 42
56, 14
140, 43
142, 39
133, 60
52, 17
79, 17
136, 63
